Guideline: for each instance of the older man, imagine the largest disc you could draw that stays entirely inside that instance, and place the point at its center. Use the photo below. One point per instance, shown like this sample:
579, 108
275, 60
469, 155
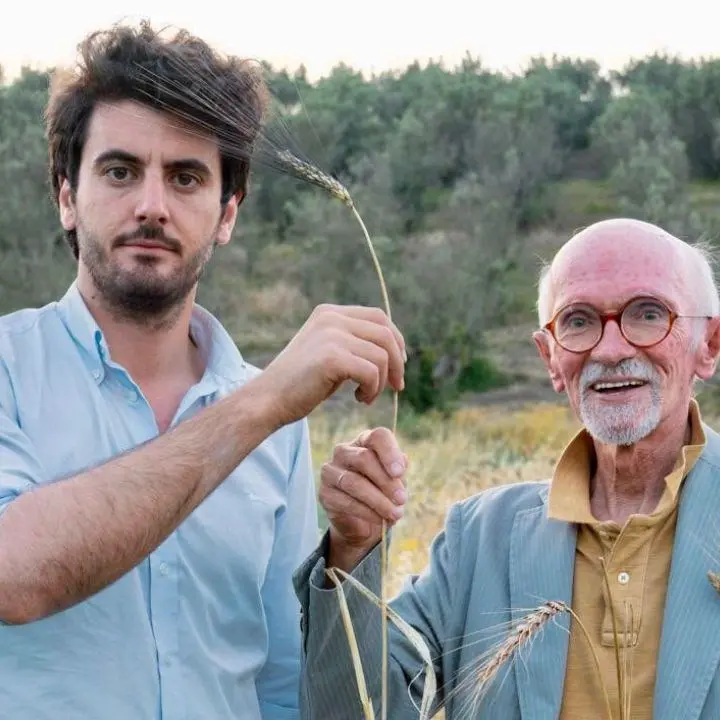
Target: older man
629, 322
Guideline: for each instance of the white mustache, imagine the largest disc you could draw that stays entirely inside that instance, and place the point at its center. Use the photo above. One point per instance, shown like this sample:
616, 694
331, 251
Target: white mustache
632, 367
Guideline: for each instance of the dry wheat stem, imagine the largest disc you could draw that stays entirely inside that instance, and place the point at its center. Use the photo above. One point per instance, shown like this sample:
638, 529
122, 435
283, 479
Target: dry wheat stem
595, 658
616, 640
354, 651
337, 190
413, 637
383, 535
629, 657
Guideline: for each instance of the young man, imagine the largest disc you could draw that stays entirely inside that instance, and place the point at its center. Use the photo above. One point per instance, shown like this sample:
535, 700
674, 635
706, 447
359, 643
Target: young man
156, 491
629, 321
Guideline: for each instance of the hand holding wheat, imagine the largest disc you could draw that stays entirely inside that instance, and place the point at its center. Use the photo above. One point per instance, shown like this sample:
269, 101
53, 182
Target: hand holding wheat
337, 344
360, 487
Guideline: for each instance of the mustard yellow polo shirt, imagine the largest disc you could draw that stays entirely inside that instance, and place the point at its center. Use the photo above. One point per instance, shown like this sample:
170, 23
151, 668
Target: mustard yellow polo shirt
637, 557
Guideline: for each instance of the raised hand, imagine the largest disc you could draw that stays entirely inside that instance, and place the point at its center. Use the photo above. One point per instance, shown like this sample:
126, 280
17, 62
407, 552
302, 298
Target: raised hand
337, 344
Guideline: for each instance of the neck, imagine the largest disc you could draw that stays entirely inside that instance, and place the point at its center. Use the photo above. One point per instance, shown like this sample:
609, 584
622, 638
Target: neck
152, 350
631, 479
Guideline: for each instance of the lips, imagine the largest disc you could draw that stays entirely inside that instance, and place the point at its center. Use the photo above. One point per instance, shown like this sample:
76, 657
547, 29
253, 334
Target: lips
149, 245
616, 385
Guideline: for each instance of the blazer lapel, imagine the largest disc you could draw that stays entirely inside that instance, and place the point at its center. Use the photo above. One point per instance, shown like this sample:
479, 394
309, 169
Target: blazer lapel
542, 558
690, 641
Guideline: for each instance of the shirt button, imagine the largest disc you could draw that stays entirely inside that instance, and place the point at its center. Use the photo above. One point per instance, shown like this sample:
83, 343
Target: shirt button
623, 578
164, 568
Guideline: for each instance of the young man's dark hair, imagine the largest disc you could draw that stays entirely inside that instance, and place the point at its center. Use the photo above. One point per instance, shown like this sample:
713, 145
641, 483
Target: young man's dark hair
181, 75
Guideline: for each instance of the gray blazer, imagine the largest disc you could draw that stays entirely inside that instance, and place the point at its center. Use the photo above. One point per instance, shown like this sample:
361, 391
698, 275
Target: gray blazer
497, 557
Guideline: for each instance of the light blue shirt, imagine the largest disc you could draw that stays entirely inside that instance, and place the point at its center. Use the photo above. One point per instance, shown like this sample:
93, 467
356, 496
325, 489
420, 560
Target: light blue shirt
206, 628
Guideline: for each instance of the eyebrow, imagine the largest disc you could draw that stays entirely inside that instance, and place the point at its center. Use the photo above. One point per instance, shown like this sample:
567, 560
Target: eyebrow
174, 165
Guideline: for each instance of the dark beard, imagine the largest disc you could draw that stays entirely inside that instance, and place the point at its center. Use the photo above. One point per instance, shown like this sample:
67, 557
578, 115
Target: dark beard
141, 296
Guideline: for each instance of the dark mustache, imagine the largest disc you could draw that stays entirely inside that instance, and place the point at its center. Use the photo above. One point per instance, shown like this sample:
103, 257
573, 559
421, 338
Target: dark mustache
148, 232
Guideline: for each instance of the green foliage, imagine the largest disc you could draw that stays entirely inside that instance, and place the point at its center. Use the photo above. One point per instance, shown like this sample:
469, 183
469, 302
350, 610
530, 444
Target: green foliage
690, 93
429, 386
438, 373
480, 375
459, 173
423, 390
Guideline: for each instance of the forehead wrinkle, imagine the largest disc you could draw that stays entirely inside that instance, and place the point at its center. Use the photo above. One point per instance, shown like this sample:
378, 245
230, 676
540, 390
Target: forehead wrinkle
574, 278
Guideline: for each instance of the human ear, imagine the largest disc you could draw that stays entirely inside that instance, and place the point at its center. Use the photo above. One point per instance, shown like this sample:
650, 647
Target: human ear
542, 342
66, 205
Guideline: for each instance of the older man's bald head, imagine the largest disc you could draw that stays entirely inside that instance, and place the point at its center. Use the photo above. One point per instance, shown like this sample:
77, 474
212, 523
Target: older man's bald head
622, 247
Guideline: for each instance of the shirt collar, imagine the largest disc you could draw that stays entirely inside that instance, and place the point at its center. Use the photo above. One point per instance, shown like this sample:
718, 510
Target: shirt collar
569, 497
223, 360
84, 330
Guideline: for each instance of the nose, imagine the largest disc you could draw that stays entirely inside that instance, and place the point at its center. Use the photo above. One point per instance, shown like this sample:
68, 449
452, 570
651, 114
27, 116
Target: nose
613, 347
151, 205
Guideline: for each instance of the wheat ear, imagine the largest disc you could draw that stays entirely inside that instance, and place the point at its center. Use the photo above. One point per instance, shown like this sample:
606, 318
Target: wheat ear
523, 633
337, 190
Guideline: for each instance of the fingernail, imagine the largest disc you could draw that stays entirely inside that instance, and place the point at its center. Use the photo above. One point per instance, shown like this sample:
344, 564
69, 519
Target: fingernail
400, 496
396, 469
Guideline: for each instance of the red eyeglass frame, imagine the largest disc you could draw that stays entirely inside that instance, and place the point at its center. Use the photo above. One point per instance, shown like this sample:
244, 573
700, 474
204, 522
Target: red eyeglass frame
616, 315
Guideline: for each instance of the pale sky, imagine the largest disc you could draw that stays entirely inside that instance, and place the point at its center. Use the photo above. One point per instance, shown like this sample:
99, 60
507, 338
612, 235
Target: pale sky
374, 35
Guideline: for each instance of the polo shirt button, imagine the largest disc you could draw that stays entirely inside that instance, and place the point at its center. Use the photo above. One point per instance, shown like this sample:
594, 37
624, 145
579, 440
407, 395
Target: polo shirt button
623, 578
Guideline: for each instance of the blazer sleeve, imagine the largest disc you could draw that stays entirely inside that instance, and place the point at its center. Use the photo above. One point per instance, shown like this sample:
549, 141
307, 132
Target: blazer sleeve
329, 689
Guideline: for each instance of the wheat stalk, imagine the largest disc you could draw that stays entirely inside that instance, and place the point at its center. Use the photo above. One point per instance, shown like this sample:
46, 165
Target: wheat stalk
616, 640
413, 637
628, 658
317, 177
365, 700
